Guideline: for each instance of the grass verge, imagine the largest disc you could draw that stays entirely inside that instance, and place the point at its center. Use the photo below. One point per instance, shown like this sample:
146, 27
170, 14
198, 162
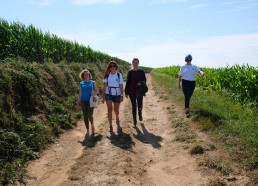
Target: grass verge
231, 127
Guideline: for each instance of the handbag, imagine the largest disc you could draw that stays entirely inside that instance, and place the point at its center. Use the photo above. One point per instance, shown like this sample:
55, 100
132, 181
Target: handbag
94, 100
141, 89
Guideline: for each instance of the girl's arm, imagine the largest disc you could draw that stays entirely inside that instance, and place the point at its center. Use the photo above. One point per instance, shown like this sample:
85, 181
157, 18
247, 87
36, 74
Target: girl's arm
96, 89
122, 92
103, 91
127, 84
201, 73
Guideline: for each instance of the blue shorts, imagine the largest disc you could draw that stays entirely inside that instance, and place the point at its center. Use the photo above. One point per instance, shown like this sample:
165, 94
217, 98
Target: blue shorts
115, 99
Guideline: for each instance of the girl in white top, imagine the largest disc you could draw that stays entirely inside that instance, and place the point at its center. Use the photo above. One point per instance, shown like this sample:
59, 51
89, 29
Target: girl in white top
113, 93
187, 77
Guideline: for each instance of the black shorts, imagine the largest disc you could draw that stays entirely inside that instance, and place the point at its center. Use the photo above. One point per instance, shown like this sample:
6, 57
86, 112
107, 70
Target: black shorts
115, 99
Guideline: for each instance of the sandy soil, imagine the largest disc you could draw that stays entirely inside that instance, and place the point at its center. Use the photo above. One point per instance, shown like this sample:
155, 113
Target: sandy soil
147, 155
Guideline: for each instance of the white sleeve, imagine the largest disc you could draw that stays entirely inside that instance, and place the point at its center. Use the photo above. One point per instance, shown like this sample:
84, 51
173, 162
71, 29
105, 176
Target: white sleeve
197, 69
104, 80
180, 72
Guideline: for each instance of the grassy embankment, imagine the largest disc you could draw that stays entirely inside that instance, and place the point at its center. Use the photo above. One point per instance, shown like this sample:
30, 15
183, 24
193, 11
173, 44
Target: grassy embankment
232, 127
38, 92
37, 103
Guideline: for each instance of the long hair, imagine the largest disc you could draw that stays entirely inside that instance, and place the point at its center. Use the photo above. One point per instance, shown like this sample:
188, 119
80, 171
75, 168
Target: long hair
107, 72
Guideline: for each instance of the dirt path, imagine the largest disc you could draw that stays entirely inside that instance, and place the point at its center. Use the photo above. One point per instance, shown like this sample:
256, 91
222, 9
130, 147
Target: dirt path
147, 155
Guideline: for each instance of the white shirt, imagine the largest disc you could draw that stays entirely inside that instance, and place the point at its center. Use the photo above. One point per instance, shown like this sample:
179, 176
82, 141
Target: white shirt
188, 71
113, 81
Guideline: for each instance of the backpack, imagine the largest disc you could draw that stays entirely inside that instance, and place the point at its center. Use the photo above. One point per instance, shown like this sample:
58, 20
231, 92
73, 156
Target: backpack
109, 88
118, 75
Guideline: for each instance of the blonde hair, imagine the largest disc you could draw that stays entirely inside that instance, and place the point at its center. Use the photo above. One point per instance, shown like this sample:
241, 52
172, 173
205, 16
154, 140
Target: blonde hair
82, 72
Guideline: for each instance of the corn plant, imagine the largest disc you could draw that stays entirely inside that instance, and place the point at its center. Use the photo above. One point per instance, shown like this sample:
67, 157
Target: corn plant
30, 43
239, 82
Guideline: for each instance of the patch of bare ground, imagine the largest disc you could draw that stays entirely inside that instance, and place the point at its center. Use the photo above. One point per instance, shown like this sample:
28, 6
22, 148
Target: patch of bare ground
158, 152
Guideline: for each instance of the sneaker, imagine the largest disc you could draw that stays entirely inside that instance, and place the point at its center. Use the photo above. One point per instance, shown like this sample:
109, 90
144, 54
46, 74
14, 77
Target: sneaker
87, 135
111, 129
187, 114
140, 117
119, 130
134, 125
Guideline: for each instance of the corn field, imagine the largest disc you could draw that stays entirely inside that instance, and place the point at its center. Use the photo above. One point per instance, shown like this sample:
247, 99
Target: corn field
35, 46
238, 82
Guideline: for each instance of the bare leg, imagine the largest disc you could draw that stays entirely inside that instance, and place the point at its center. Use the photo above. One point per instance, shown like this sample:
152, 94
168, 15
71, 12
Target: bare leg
92, 126
109, 107
116, 109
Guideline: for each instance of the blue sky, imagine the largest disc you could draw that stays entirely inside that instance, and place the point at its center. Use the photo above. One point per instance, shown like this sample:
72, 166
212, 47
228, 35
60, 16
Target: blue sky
159, 32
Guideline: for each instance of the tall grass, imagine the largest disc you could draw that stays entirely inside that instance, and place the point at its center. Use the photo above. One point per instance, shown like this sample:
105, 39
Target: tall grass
30, 43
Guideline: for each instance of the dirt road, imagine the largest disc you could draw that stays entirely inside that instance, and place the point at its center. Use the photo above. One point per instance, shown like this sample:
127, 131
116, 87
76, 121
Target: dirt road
147, 155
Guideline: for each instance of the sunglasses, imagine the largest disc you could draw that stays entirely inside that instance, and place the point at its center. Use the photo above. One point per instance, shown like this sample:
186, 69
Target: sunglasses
112, 66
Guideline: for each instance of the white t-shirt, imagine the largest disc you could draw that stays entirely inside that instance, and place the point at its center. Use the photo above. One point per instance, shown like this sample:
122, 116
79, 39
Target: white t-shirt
188, 71
114, 82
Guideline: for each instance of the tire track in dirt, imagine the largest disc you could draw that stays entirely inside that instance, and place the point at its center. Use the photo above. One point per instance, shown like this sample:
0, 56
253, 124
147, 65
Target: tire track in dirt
147, 155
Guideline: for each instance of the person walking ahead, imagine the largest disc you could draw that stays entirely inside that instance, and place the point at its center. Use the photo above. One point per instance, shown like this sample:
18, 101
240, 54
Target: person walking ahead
135, 79
87, 88
113, 93
187, 77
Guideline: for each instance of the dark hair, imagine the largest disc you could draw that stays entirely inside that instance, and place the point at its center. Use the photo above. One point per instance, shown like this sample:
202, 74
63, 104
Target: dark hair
135, 59
108, 68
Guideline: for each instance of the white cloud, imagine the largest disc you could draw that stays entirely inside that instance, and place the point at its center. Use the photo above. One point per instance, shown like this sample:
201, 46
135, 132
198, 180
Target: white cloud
217, 51
198, 6
41, 2
47, 2
159, 1
129, 39
179, 32
87, 38
30, 2
166, 1
251, 3
229, 3
90, 2
239, 6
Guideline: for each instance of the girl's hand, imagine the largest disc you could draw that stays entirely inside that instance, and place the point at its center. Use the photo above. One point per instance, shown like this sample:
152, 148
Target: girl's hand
202, 73
93, 93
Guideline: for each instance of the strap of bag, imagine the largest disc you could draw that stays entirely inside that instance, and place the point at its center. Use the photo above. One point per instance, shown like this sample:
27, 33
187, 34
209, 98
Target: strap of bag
92, 86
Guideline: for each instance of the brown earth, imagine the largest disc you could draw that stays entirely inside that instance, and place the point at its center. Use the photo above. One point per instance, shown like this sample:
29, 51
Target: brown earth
147, 155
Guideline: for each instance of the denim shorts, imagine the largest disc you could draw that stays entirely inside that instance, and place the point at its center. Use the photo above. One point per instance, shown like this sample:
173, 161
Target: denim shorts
115, 99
